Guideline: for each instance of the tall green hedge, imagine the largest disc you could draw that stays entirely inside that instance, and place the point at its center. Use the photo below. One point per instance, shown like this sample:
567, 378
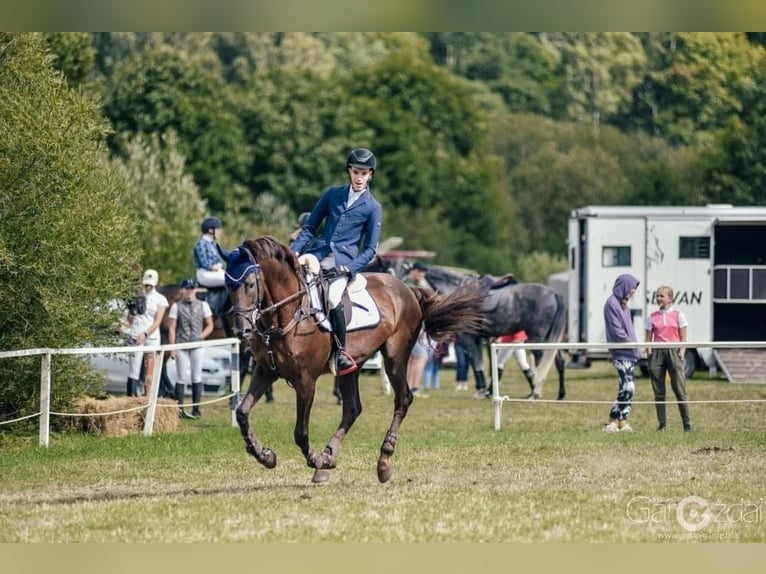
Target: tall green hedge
66, 247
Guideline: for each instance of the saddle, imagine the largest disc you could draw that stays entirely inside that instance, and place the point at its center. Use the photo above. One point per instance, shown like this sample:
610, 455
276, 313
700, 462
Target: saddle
491, 282
360, 308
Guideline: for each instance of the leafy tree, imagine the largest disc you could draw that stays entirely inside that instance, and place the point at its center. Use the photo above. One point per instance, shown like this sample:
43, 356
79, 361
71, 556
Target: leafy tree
515, 65
734, 168
64, 248
430, 137
692, 83
163, 89
166, 202
300, 127
74, 56
555, 167
599, 72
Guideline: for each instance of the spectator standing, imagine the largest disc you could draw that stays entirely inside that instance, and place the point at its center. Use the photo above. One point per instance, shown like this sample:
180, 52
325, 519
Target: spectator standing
461, 364
144, 319
189, 320
667, 324
619, 329
432, 371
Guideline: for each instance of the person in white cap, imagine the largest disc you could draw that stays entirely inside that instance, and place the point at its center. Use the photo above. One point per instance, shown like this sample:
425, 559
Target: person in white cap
144, 317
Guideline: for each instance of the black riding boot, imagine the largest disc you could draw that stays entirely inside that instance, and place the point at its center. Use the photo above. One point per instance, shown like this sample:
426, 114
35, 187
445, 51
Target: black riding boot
196, 398
529, 374
344, 364
132, 388
180, 391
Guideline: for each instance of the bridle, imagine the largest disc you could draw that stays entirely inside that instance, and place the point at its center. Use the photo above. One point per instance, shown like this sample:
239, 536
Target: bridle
255, 313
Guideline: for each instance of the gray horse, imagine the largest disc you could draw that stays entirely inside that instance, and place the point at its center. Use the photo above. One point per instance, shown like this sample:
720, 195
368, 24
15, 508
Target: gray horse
511, 306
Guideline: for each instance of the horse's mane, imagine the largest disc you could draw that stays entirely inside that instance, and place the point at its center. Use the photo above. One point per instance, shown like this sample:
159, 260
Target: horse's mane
267, 247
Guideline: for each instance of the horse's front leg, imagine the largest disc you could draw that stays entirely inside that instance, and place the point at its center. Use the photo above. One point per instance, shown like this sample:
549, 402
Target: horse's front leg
304, 394
348, 387
261, 380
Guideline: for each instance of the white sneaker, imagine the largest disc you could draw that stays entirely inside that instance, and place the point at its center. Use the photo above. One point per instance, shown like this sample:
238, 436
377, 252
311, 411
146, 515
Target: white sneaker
625, 427
611, 427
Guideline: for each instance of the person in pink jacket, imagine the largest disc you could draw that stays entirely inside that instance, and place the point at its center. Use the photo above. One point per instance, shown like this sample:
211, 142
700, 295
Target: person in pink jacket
667, 324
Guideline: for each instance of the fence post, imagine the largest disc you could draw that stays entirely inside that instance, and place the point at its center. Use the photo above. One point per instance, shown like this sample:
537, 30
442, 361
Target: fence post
497, 402
45, 399
152, 408
235, 383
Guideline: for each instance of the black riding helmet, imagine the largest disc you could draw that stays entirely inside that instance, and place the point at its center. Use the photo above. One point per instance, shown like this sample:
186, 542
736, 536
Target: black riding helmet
361, 157
210, 223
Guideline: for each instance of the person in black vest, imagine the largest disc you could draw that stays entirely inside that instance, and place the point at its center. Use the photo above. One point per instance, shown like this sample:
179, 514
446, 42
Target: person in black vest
189, 320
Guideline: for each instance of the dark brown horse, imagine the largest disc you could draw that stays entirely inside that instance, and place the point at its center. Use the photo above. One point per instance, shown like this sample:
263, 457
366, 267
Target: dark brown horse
223, 327
270, 296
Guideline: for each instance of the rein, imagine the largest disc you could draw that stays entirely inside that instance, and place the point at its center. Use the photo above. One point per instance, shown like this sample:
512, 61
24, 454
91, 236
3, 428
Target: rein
255, 314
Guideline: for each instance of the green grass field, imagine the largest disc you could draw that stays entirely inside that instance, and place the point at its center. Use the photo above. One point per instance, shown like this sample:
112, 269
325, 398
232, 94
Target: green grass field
550, 473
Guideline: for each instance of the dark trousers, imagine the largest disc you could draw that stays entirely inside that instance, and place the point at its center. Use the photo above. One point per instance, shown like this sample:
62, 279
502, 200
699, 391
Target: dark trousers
461, 356
662, 362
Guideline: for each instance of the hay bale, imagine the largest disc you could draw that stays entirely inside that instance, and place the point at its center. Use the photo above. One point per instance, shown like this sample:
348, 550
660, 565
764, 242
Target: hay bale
123, 423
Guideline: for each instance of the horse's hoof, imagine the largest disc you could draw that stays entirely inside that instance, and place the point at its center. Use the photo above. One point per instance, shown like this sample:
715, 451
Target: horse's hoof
561, 397
384, 471
268, 458
320, 476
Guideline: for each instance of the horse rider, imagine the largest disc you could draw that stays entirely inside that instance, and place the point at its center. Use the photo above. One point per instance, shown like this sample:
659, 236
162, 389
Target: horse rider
209, 259
352, 225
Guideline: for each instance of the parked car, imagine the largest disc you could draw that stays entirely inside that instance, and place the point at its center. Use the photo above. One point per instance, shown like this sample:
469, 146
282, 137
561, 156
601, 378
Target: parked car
374, 363
216, 370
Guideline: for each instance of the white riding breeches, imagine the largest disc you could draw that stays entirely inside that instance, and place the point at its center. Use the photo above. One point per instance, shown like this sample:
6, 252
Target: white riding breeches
208, 278
337, 286
189, 362
521, 357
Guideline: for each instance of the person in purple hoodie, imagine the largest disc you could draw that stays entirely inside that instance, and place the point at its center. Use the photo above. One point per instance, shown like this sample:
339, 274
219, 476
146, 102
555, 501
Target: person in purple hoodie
620, 329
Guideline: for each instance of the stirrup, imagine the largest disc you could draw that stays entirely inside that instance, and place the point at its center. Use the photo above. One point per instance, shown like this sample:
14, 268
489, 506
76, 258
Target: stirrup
350, 366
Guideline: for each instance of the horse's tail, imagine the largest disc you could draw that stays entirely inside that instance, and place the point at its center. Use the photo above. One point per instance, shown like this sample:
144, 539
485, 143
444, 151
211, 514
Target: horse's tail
554, 335
455, 312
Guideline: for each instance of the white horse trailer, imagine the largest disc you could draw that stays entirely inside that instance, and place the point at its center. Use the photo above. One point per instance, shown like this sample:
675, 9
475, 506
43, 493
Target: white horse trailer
714, 257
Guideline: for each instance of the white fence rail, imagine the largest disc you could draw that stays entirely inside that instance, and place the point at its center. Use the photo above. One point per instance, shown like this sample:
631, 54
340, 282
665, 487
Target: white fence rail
498, 399
45, 377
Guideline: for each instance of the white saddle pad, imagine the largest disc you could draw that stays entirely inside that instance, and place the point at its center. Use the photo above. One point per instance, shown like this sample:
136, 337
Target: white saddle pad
364, 310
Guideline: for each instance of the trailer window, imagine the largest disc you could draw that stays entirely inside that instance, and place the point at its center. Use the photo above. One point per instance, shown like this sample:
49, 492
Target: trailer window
694, 247
618, 256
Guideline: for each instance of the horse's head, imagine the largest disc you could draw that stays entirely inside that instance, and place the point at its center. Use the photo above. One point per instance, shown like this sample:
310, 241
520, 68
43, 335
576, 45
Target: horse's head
445, 279
243, 287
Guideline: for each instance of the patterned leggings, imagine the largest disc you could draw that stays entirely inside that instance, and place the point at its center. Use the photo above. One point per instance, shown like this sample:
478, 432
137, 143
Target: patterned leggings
621, 409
